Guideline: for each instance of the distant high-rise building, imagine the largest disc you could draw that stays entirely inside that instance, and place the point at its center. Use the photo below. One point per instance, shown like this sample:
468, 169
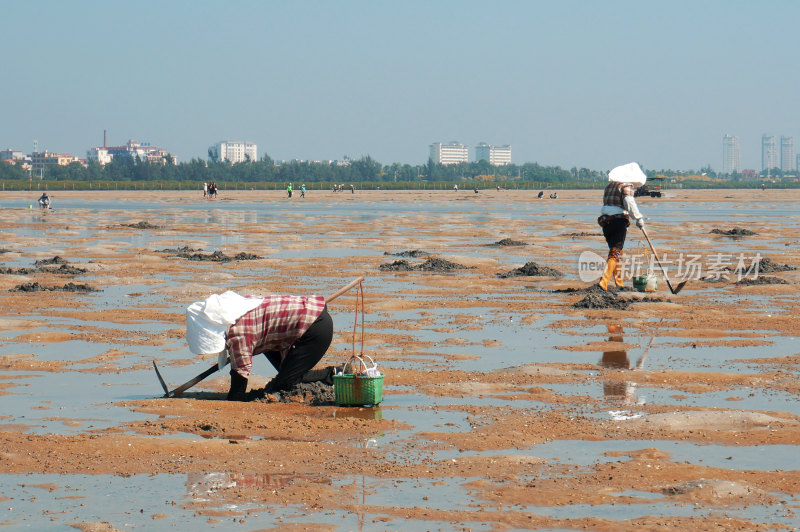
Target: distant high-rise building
769, 152
496, 155
730, 155
451, 153
233, 151
787, 154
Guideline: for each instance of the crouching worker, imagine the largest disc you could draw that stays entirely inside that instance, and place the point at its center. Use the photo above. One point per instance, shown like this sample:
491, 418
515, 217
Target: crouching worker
293, 332
618, 206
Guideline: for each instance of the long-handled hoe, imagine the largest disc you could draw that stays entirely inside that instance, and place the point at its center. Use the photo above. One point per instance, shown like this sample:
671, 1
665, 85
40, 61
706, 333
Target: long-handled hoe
185, 386
664, 271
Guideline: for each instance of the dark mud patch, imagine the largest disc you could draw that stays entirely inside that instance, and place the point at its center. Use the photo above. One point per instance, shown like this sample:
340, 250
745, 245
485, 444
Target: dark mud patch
47, 266
767, 265
16, 271
594, 288
414, 253
762, 279
430, 265
597, 298
198, 255
581, 234
69, 287
312, 393
508, 242
50, 262
65, 269
735, 232
4, 250
142, 225
531, 269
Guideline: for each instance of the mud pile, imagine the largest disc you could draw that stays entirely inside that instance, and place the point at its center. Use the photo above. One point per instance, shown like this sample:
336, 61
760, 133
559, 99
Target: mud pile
16, 271
431, 265
69, 287
531, 269
581, 234
65, 269
767, 265
49, 262
414, 253
198, 255
313, 393
142, 225
44, 265
508, 242
762, 279
736, 231
596, 297
591, 289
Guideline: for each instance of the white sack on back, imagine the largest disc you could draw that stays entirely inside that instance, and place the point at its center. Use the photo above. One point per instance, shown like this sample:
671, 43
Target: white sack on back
627, 173
207, 321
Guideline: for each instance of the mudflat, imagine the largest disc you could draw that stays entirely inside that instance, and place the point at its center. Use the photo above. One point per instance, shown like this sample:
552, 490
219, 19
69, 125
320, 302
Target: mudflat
515, 395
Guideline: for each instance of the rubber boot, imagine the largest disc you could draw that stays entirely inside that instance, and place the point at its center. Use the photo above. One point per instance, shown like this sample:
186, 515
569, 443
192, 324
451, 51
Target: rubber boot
324, 375
238, 387
618, 279
611, 266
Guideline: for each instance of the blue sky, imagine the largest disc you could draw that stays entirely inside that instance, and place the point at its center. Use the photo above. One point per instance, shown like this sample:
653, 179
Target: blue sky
570, 83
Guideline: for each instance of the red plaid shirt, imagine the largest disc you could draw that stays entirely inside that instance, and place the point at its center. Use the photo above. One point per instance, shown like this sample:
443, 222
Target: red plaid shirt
615, 193
275, 325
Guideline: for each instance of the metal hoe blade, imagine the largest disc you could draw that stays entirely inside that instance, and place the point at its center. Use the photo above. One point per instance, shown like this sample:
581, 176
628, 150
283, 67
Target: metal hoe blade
161, 380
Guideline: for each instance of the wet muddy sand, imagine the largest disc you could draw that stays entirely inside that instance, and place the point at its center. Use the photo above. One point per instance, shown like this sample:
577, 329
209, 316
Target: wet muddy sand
508, 404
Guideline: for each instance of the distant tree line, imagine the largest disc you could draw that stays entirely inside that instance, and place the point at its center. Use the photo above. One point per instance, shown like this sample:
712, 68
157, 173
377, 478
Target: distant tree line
265, 169
363, 170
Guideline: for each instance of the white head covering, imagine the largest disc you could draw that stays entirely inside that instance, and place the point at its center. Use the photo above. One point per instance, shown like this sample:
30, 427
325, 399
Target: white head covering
628, 173
207, 321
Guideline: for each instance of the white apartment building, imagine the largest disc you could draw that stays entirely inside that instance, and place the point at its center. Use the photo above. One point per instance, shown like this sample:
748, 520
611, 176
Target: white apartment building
730, 155
234, 151
451, 153
787, 154
769, 153
496, 155
143, 151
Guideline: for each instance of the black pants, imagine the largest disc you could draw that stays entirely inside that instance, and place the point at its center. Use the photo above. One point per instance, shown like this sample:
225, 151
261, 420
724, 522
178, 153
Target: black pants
304, 354
615, 232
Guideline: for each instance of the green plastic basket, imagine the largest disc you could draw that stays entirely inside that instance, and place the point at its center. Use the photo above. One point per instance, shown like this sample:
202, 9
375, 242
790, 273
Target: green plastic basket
357, 390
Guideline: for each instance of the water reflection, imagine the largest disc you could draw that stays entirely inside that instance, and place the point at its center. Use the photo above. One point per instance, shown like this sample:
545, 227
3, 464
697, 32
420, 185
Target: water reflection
613, 388
200, 482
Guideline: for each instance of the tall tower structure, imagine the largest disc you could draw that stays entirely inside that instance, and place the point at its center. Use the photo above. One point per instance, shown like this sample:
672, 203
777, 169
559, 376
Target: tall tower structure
730, 155
769, 152
787, 154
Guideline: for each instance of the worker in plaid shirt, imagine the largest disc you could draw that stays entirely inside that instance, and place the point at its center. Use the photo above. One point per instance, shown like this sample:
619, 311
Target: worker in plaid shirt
294, 332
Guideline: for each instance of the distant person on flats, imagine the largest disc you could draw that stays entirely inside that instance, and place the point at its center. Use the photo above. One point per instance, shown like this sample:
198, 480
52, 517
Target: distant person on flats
541, 194
303, 190
44, 201
618, 206
289, 190
205, 190
293, 332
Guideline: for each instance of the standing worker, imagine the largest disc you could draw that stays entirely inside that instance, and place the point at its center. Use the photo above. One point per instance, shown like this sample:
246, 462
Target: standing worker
293, 332
289, 190
303, 190
618, 206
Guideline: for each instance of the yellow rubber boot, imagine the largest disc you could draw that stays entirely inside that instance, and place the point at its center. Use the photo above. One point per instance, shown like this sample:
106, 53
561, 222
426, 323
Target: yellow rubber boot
618, 279
611, 265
